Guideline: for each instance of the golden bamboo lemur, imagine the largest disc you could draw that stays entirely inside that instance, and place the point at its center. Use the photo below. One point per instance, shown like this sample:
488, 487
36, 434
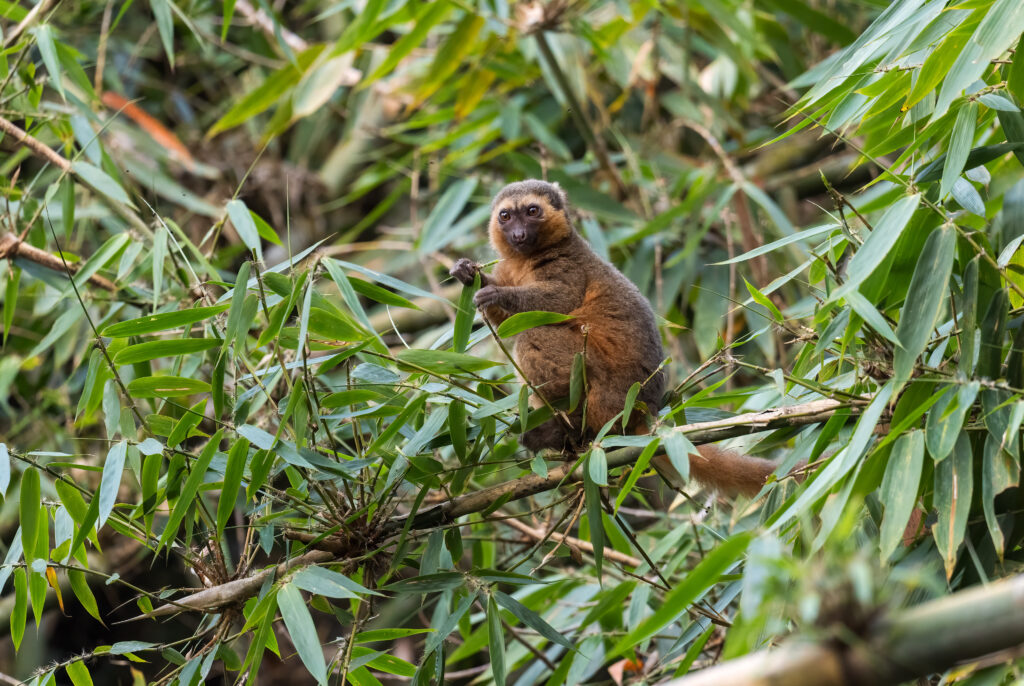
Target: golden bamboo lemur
546, 265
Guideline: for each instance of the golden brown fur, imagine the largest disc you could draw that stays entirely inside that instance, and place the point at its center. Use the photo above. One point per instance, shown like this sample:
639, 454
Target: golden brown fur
546, 265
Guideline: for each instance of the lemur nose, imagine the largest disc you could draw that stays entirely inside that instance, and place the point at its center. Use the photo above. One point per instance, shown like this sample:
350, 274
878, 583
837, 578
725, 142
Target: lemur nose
518, 235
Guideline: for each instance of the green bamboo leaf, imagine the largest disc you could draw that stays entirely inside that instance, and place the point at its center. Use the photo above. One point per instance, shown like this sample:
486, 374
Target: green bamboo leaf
977, 157
442, 361
959, 147
457, 428
80, 587
946, 418
969, 319
152, 350
592, 498
319, 84
302, 631
925, 298
19, 615
10, 300
5, 470
389, 281
161, 322
229, 13
243, 222
775, 245
871, 316
431, 14
637, 471
597, 466
333, 327
360, 29
495, 642
350, 397
899, 489
678, 448
233, 472
939, 61
79, 674
100, 181
113, 468
380, 294
1000, 470
531, 619
272, 90
993, 330
764, 302
968, 196
48, 51
165, 387
165, 27
99, 259
28, 507
328, 583
704, 576
189, 491
464, 316
953, 492
184, 426
437, 229
522, 321
998, 31
877, 246
236, 326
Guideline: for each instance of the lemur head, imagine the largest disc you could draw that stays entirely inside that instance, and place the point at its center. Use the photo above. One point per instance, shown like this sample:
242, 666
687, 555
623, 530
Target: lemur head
528, 217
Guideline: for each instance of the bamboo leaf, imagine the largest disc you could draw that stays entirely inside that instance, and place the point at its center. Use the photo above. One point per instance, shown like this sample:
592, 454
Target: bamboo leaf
161, 322
946, 418
496, 642
899, 489
113, 468
302, 631
28, 506
959, 147
166, 387
877, 245
186, 498
442, 361
531, 619
243, 222
928, 288
152, 350
704, 576
437, 229
523, 321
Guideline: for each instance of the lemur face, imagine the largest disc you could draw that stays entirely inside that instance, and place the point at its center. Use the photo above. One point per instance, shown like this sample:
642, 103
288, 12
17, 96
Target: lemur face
522, 221
529, 216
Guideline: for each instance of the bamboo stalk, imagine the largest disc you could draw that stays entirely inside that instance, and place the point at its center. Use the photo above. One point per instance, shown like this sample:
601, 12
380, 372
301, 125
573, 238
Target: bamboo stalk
922, 640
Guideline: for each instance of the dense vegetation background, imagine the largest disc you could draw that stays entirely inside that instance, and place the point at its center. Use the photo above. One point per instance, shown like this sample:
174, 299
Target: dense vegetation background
250, 430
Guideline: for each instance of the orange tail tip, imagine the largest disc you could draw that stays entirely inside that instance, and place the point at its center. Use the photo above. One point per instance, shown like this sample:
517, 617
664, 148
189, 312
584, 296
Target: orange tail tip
157, 131
725, 471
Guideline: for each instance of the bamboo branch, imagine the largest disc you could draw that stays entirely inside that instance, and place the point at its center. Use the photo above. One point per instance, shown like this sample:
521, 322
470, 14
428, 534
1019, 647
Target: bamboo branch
47, 153
234, 592
586, 546
922, 640
11, 246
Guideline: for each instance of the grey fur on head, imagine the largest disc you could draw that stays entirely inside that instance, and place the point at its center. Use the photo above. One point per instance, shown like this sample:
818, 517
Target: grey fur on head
552, 191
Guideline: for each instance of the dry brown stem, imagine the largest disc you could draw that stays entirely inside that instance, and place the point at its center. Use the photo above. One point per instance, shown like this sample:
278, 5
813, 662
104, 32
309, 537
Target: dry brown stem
11, 246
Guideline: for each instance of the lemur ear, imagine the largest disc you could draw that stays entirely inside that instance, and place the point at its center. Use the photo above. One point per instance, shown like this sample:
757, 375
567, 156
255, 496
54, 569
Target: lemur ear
562, 196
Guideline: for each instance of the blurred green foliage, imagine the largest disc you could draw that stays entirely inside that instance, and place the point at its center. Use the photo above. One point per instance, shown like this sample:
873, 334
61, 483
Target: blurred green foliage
231, 346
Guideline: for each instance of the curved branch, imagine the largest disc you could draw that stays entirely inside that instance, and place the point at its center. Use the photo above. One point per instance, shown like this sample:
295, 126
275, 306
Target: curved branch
233, 592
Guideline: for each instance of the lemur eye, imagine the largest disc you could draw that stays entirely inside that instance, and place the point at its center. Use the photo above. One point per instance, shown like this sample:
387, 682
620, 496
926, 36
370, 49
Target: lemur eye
533, 210
504, 215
